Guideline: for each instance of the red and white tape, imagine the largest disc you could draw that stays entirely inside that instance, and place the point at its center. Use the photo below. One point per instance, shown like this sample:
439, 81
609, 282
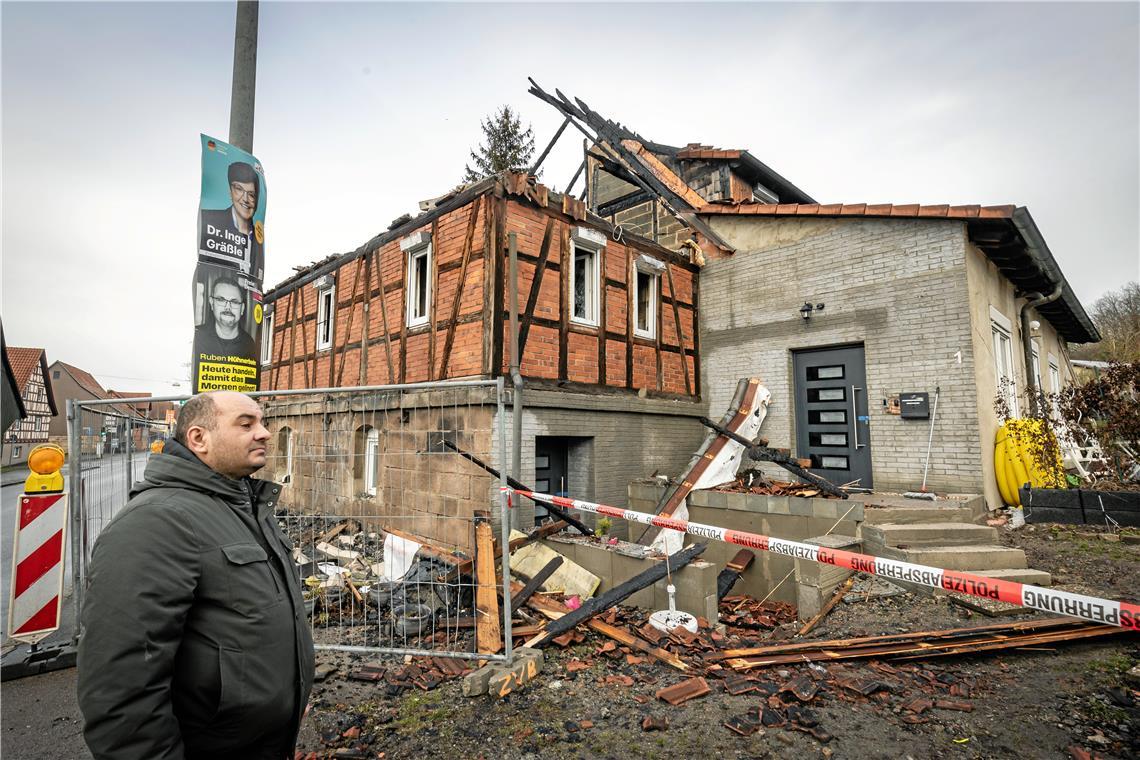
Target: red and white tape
1106, 611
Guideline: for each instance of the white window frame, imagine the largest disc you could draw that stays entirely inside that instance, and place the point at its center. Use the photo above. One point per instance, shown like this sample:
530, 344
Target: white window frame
652, 269
371, 461
1054, 374
1001, 330
326, 312
417, 248
288, 476
590, 242
16, 451
267, 339
1036, 369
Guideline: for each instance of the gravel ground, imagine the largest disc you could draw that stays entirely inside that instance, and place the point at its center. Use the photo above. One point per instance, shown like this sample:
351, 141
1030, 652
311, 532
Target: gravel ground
1052, 702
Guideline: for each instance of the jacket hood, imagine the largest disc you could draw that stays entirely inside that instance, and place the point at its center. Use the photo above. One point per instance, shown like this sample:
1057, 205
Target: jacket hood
178, 467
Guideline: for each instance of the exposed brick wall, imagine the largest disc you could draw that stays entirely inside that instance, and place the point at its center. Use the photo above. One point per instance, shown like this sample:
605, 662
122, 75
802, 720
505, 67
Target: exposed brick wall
542, 353
421, 489
379, 285
898, 287
372, 346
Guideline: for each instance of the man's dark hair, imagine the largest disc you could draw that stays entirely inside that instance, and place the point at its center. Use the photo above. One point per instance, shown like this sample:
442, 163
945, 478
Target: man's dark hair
226, 279
240, 171
197, 411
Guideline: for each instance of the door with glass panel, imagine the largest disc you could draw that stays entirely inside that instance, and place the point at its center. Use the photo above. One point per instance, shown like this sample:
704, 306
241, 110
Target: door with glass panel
832, 414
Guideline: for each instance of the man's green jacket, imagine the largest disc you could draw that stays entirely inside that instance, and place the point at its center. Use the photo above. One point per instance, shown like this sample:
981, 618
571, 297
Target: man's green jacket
195, 640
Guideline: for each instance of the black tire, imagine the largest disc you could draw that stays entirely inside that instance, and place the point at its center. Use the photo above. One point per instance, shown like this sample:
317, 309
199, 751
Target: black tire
412, 619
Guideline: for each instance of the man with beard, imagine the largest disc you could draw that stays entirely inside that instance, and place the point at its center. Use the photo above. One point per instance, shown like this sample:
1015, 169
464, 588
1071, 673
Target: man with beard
195, 643
225, 336
231, 234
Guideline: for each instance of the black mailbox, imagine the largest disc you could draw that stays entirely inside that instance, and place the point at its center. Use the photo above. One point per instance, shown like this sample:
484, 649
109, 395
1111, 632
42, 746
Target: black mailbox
915, 406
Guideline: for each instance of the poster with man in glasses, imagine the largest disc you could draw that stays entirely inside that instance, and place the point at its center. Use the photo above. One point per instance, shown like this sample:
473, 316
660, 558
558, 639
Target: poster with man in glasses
228, 279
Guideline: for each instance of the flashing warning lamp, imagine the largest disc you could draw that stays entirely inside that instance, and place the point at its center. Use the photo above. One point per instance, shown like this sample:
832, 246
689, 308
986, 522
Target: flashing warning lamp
45, 461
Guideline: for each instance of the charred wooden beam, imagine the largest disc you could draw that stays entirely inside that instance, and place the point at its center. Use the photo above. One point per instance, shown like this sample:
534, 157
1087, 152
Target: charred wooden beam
620, 593
775, 456
513, 483
732, 572
546, 151
519, 599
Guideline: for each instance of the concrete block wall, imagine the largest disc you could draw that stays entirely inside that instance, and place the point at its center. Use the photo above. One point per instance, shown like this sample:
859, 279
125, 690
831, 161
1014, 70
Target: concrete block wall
629, 438
787, 517
898, 287
695, 583
421, 489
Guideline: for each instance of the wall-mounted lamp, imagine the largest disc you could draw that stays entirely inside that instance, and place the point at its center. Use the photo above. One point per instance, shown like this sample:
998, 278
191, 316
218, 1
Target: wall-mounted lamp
807, 309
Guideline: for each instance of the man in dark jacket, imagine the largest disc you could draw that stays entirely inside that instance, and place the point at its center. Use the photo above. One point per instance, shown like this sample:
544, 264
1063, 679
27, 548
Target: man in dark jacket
195, 642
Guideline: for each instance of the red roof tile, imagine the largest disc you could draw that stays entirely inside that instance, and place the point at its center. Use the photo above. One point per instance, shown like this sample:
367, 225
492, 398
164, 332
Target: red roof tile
23, 361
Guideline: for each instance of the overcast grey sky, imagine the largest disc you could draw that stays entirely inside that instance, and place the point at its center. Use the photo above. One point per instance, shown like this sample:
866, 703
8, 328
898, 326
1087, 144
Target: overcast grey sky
365, 109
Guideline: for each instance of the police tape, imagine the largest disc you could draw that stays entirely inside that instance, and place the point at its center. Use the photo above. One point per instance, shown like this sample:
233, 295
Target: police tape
1090, 608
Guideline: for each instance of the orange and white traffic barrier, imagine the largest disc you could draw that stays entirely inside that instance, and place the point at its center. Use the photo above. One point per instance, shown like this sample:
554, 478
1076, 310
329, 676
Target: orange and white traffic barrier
1094, 609
37, 574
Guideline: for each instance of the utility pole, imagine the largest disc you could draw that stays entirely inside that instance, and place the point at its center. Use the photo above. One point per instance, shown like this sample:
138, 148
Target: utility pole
245, 76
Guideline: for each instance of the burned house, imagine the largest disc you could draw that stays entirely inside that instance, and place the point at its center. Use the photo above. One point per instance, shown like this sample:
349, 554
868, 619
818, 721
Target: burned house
610, 367
864, 321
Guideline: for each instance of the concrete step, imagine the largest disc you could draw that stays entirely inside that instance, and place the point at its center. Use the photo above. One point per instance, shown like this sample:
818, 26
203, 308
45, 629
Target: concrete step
1017, 575
957, 557
928, 534
919, 512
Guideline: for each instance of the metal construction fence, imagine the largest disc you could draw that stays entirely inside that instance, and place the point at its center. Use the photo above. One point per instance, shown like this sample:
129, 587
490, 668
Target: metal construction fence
367, 473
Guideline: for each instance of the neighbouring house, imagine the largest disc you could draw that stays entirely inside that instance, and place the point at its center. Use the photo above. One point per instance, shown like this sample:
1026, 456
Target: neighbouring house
11, 405
29, 368
70, 383
609, 355
859, 318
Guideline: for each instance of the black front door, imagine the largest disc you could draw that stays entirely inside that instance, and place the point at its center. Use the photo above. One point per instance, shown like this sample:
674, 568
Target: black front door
831, 414
551, 465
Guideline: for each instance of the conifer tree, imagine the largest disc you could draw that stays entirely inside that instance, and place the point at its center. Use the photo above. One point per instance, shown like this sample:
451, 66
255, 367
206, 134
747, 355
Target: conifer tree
506, 146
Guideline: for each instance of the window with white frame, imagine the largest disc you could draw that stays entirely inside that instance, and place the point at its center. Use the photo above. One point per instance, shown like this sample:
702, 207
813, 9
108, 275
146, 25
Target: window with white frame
372, 462
284, 455
417, 248
585, 275
1037, 367
366, 460
267, 339
646, 294
1003, 358
326, 310
1054, 374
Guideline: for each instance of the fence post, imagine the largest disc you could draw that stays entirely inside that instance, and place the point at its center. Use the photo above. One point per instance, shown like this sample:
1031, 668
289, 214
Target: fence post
505, 522
75, 496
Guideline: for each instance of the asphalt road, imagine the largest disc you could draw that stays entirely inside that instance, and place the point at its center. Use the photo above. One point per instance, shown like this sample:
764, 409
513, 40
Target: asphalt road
105, 483
40, 719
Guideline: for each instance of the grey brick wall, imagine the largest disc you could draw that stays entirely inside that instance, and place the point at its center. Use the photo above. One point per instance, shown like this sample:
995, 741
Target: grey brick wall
898, 287
624, 438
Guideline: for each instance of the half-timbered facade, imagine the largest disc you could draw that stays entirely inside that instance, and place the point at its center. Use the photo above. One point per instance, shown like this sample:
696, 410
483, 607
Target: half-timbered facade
609, 357
29, 366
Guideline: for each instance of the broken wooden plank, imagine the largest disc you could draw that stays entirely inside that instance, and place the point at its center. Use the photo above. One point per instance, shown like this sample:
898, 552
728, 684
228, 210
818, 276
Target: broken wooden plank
738, 410
732, 572
834, 600
619, 593
517, 600
487, 633
554, 610
778, 457
432, 551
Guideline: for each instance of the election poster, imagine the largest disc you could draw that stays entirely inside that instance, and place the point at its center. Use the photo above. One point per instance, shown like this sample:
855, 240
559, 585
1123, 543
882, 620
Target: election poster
227, 289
